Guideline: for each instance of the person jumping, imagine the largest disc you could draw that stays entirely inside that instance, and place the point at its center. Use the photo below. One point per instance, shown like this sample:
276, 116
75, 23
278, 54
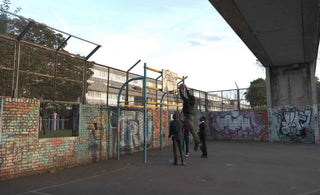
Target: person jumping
188, 111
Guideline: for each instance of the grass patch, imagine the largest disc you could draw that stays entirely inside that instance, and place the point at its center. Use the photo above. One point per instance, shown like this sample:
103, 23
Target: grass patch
57, 133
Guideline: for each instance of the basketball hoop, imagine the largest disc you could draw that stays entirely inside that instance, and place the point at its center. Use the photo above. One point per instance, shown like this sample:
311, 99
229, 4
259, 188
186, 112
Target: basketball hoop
169, 82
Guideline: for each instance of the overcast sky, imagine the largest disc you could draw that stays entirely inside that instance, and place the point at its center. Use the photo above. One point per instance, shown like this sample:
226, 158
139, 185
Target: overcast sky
187, 37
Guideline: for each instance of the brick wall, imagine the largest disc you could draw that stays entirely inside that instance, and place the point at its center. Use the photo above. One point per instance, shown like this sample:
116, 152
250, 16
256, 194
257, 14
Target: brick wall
23, 153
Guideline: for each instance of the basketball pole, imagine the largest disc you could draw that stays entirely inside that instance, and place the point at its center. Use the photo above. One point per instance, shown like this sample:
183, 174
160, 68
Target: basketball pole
145, 113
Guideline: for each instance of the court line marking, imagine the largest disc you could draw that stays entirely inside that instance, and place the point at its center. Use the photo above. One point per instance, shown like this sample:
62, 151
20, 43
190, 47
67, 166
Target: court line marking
311, 192
42, 193
73, 181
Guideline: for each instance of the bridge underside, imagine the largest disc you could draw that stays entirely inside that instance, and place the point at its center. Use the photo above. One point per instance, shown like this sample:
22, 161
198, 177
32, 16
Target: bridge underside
284, 36
279, 33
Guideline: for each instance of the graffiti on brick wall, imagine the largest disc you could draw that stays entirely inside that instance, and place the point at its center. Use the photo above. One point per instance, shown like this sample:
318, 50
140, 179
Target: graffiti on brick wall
234, 124
157, 135
15, 153
294, 124
96, 133
1, 109
56, 152
132, 129
21, 151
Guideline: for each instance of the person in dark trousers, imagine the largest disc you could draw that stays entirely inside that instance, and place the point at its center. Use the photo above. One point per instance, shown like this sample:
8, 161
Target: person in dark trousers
203, 136
176, 132
188, 110
185, 139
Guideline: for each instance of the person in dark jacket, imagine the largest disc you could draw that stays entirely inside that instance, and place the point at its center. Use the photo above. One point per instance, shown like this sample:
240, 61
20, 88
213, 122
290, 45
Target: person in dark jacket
203, 136
176, 132
188, 110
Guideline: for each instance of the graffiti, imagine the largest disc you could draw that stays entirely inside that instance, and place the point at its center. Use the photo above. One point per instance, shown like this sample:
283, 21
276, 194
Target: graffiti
237, 125
16, 153
21, 150
96, 133
132, 129
294, 125
1, 109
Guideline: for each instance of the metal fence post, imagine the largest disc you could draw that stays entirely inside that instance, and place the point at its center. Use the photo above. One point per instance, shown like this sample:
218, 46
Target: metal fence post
108, 84
206, 101
238, 99
84, 82
127, 78
16, 71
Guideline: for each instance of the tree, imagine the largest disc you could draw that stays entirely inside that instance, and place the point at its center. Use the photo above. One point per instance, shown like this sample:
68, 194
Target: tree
256, 94
43, 74
69, 70
318, 89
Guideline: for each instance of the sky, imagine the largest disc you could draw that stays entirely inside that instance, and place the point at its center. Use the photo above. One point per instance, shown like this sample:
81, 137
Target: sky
187, 37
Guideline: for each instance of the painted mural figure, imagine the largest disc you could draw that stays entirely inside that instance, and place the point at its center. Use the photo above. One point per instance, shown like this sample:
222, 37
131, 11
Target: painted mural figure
176, 132
203, 136
188, 111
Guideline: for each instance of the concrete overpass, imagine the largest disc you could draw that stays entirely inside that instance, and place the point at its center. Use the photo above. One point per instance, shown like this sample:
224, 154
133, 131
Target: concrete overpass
284, 36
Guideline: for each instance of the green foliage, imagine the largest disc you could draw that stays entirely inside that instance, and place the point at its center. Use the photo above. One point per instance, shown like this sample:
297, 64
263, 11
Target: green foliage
256, 94
318, 90
57, 133
37, 69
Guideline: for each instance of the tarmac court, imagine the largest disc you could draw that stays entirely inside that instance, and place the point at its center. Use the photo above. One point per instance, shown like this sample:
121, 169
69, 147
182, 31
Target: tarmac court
232, 167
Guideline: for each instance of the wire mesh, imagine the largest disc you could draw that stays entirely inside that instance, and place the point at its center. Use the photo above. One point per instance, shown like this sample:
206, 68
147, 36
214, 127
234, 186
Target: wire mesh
7, 52
11, 25
5, 82
228, 100
48, 74
36, 60
35, 86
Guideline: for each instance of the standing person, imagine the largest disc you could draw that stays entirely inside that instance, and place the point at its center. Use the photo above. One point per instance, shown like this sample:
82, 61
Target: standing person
188, 109
175, 131
203, 136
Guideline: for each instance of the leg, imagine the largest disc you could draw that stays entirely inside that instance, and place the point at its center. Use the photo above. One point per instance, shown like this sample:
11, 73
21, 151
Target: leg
186, 141
205, 152
192, 129
203, 146
179, 143
175, 155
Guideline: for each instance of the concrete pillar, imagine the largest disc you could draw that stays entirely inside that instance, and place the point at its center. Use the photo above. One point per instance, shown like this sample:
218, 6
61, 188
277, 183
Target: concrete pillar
292, 85
292, 103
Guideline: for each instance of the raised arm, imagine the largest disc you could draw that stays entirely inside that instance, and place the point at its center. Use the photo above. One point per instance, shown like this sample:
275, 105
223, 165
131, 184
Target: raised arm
181, 93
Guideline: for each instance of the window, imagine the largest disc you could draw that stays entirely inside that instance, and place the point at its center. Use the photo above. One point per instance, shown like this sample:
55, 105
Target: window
58, 120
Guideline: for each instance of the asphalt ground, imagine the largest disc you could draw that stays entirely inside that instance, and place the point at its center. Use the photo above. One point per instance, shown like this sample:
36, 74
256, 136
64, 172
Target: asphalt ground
232, 167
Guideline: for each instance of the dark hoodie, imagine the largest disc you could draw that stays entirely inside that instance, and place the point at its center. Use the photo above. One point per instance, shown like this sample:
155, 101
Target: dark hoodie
188, 103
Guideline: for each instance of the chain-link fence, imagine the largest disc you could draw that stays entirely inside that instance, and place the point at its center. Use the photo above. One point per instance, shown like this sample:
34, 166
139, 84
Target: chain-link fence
34, 63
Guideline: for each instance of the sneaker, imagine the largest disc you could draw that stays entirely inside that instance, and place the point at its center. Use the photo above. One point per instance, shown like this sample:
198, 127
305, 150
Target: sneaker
183, 164
187, 155
204, 156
